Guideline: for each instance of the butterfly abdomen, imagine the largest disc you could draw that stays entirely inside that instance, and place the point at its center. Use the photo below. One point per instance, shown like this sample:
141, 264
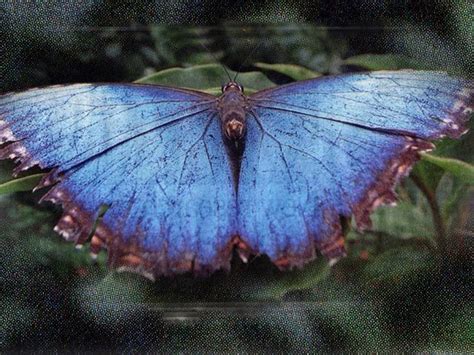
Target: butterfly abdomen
232, 111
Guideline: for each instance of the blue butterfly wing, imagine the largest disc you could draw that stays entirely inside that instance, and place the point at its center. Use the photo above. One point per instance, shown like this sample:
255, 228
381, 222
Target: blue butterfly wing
154, 155
335, 146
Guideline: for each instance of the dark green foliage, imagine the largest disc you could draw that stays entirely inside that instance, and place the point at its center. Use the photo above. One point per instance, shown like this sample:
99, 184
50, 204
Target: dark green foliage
208, 78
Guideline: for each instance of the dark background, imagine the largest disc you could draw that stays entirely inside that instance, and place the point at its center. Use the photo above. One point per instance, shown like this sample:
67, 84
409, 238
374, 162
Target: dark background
58, 42
397, 290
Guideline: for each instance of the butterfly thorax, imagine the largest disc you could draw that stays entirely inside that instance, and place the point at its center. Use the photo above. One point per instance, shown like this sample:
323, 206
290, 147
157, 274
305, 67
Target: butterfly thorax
232, 107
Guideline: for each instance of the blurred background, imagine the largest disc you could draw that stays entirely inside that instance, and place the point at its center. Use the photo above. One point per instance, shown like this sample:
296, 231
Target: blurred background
407, 282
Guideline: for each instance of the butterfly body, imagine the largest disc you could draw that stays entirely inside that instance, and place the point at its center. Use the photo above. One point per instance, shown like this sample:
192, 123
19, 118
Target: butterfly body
233, 108
187, 176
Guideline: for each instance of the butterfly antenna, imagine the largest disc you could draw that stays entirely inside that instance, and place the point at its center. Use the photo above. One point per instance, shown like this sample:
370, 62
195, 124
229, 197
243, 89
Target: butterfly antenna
247, 58
215, 58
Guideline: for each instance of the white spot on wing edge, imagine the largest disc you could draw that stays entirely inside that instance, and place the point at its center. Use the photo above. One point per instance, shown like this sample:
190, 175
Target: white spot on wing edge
460, 104
333, 261
6, 134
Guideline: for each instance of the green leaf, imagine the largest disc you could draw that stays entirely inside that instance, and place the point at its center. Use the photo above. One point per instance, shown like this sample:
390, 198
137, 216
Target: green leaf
405, 220
430, 174
113, 299
454, 334
217, 91
311, 275
359, 321
296, 72
384, 62
398, 263
26, 183
458, 168
15, 315
452, 203
208, 77
462, 149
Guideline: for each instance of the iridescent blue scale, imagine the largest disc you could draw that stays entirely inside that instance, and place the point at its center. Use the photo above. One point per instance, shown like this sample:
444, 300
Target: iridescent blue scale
180, 196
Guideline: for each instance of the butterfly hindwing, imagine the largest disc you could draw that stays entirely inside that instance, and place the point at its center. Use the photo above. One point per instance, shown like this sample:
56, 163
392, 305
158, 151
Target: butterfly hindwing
328, 148
153, 155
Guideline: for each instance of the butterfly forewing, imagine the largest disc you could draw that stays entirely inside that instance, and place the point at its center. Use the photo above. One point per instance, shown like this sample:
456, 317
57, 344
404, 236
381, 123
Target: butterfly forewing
154, 155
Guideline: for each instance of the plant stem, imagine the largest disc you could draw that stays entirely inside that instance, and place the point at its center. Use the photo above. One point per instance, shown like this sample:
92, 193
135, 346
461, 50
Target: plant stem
438, 222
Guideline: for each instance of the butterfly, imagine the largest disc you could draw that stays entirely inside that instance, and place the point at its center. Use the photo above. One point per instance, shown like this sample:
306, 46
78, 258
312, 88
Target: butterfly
187, 177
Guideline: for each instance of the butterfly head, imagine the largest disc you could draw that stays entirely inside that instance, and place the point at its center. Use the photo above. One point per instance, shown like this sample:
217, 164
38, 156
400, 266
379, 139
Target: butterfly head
232, 85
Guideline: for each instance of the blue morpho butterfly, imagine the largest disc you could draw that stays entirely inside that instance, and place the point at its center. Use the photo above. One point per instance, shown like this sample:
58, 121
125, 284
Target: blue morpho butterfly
188, 176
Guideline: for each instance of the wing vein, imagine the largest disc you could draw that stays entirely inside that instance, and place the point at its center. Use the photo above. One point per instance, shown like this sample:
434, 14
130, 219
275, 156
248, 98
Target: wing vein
358, 125
341, 189
126, 140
